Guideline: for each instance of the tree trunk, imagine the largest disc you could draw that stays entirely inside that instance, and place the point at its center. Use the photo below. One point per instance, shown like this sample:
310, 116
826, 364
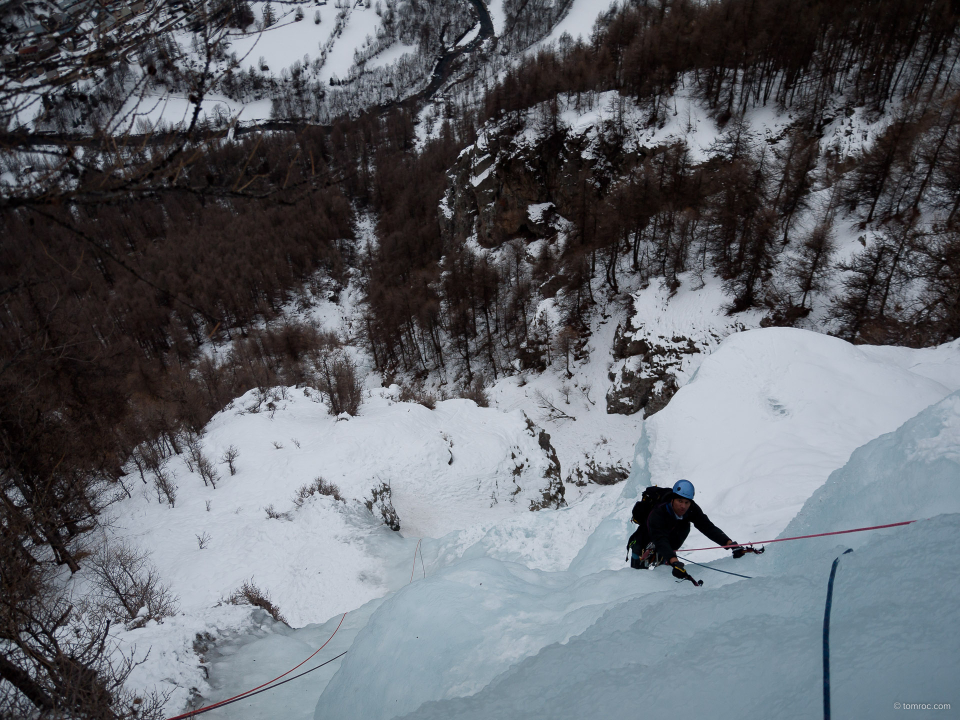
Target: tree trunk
26, 685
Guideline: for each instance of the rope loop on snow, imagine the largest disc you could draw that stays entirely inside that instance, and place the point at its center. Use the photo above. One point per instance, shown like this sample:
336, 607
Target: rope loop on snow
414, 568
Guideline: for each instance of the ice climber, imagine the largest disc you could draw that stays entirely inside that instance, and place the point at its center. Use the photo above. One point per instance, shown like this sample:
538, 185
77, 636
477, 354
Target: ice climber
664, 518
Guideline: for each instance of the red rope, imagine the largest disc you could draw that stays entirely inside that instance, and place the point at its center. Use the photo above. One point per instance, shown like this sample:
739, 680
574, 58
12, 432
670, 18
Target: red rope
800, 537
252, 690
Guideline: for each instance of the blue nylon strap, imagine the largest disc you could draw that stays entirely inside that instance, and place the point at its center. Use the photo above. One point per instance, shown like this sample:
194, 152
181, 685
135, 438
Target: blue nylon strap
826, 638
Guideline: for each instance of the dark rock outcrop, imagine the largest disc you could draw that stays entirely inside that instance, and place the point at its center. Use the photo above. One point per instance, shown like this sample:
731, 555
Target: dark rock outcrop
552, 495
593, 472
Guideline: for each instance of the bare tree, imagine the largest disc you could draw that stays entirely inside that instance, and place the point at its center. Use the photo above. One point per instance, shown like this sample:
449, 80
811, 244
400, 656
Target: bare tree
200, 462
812, 266
54, 662
565, 344
545, 403
41, 86
165, 487
128, 586
338, 380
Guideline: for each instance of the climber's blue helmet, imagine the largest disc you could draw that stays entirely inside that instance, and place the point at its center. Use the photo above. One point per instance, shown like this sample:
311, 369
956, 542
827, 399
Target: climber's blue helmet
684, 489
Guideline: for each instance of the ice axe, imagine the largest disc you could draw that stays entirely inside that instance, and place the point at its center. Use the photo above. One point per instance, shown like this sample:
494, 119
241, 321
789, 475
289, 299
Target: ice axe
681, 574
742, 550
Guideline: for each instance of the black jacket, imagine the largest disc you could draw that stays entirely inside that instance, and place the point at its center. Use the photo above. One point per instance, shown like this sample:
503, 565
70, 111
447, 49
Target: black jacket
668, 533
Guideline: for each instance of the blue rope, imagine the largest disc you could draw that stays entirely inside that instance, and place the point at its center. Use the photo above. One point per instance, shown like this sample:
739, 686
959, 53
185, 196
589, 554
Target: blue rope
826, 638
748, 577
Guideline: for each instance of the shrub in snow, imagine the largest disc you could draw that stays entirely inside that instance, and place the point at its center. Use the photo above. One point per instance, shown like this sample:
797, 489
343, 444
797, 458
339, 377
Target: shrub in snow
418, 394
381, 498
319, 486
476, 392
337, 379
250, 594
229, 456
165, 487
127, 586
274, 514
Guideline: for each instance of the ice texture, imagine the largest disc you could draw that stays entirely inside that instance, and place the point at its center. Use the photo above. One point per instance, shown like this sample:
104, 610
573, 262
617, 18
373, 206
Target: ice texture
735, 649
503, 595
752, 648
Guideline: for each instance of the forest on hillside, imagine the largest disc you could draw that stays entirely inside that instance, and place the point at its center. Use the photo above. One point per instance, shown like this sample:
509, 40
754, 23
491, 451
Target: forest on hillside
122, 266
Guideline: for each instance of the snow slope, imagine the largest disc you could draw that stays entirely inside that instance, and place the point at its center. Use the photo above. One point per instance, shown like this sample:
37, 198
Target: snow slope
472, 463
288, 41
578, 22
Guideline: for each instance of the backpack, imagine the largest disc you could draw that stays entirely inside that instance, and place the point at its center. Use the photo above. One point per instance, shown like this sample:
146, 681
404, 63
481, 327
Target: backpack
652, 496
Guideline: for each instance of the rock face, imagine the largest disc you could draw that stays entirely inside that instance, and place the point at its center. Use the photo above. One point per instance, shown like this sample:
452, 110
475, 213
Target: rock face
646, 380
598, 474
508, 185
632, 392
493, 185
552, 495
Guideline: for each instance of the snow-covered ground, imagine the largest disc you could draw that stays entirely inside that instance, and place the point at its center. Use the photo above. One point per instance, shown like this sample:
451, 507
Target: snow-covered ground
449, 469
577, 23
502, 595
288, 41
